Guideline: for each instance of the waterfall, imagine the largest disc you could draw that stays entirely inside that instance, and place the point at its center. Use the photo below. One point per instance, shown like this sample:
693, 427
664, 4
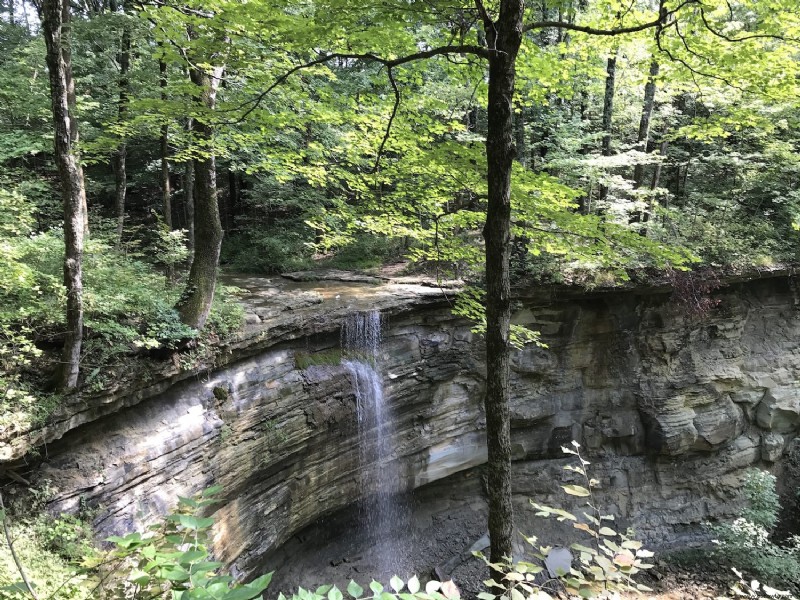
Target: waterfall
384, 513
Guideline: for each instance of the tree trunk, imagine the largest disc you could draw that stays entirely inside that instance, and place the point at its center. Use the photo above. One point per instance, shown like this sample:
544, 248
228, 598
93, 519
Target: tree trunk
504, 37
72, 190
72, 100
188, 197
166, 191
644, 123
608, 112
120, 157
195, 302
657, 172
608, 103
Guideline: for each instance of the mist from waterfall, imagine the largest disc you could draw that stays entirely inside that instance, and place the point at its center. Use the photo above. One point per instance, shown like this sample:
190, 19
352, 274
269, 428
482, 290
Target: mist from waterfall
385, 514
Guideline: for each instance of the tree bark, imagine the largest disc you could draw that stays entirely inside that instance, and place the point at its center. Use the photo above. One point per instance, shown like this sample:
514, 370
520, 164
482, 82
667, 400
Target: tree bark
195, 302
608, 113
657, 172
72, 187
166, 188
188, 198
504, 37
519, 128
608, 103
72, 100
120, 157
644, 123
166, 191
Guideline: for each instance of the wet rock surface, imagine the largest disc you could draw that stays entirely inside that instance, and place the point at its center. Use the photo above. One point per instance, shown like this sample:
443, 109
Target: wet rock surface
671, 409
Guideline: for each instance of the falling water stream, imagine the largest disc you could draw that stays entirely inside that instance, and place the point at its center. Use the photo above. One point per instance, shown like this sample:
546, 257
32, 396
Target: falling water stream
385, 514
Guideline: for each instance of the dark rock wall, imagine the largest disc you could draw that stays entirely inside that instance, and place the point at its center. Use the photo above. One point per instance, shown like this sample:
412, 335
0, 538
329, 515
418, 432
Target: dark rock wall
671, 409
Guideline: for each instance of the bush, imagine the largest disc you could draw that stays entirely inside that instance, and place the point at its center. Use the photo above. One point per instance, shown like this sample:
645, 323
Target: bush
269, 252
170, 560
747, 541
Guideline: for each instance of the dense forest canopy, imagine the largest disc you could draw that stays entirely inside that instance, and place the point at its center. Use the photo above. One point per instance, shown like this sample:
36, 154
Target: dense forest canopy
145, 144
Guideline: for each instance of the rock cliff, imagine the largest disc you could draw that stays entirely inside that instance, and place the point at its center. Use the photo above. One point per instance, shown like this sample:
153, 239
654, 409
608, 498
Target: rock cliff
672, 409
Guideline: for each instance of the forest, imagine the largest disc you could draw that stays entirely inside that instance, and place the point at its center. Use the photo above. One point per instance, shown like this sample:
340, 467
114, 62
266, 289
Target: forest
149, 146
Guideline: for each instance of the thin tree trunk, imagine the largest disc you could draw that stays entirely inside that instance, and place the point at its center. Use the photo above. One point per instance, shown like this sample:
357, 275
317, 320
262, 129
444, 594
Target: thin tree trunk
608, 112
166, 190
608, 103
505, 36
11, 12
72, 100
657, 172
120, 158
72, 190
188, 194
195, 302
644, 123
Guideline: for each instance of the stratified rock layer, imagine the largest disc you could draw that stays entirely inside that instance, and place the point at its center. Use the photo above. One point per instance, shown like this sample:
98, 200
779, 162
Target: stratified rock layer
672, 409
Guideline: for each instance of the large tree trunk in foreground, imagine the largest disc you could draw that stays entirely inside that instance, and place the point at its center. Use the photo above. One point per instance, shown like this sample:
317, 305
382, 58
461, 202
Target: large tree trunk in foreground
505, 36
72, 190
195, 302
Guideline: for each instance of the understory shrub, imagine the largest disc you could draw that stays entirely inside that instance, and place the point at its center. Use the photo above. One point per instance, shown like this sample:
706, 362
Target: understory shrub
127, 302
747, 543
605, 564
270, 251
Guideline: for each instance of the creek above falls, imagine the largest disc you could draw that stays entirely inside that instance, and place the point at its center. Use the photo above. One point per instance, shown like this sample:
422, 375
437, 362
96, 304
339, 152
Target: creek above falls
672, 411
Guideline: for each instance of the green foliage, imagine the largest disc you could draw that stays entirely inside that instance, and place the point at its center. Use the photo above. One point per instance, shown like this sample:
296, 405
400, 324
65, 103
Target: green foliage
332, 356
754, 590
269, 252
763, 501
398, 589
605, 566
365, 252
50, 548
746, 543
470, 304
172, 560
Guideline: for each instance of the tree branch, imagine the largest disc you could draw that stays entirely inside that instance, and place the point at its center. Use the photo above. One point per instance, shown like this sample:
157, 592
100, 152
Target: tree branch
388, 131
663, 16
368, 57
753, 36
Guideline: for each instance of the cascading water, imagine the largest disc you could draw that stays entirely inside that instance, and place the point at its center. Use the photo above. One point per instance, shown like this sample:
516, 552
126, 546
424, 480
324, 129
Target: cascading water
385, 514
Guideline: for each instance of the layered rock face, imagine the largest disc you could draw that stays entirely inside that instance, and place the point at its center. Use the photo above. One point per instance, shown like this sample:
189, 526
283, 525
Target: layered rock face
672, 410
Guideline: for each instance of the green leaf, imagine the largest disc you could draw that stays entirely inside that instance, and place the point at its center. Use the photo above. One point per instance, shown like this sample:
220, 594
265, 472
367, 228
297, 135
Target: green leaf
376, 587
576, 490
355, 590
413, 585
335, 594
195, 523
